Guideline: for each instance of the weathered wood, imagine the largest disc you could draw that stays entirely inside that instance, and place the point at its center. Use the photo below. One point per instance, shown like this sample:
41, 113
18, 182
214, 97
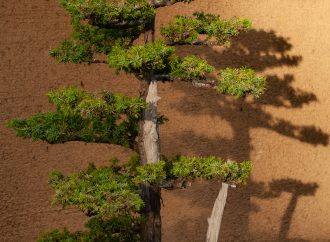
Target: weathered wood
150, 129
151, 194
214, 221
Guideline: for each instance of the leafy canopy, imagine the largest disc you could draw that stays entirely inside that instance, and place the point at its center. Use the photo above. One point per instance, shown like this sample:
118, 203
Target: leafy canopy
101, 192
121, 229
240, 82
186, 29
111, 196
110, 192
183, 167
160, 59
105, 118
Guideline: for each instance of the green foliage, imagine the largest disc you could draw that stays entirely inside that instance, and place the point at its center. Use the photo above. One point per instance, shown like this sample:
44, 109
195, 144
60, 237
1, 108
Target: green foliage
100, 39
190, 68
159, 59
100, 192
72, 52
112, 230
107, 118
58, 236
104, 12
185, 30
240, 82
182, 30
194, 167
151, 173
222, 30
142, 59
211, 168
111, 194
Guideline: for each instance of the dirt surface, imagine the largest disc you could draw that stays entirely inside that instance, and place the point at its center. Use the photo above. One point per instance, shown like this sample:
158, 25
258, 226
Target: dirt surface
285, 133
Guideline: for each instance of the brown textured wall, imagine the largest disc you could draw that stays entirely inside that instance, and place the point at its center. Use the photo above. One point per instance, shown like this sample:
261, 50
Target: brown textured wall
285, 133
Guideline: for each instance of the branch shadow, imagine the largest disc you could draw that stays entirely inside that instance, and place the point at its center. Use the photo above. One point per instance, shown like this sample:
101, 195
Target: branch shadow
297, 190
259, 50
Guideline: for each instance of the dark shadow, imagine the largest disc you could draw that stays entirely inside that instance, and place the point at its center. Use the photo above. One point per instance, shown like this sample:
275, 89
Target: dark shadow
280, 93
297, 189
259, 50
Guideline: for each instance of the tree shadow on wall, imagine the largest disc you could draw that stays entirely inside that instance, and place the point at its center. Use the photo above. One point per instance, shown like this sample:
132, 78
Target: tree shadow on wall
257, 49
260, 50
297, 189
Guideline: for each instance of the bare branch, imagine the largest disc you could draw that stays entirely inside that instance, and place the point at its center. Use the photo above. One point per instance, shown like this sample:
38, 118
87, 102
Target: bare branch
99, 62
202, 83
164, 3
118, 25
197, 42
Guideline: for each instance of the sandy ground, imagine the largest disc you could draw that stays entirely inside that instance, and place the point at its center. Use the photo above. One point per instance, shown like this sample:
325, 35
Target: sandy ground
285, 133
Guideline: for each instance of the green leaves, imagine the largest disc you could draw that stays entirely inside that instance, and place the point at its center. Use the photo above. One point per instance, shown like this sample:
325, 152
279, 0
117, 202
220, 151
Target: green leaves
181, 30
142, 59
72, 52
111, 195
121, 229
240, 82
183, 167
220, 29
151, 173
185, 30
211, 168
190, 68
103, 12
112, 192
99, 192
80, 116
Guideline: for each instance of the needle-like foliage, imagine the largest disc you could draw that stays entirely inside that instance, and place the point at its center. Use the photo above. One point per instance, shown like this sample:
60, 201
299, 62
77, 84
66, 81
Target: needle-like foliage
107, 31
186, 29
106, 118
240, 82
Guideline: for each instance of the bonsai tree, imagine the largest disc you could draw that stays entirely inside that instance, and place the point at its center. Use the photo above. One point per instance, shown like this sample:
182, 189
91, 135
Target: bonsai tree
123, 200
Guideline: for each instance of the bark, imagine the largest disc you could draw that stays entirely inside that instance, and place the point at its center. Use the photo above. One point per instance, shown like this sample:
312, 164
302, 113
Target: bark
216, 216
150, 128
151, 231
149, 149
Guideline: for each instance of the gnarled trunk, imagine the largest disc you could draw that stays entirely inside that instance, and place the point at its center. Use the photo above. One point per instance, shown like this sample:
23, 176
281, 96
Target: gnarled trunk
151, 230
149, 152
216, 216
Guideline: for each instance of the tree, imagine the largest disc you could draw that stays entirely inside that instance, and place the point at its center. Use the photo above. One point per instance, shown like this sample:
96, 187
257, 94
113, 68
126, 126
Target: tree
123, 201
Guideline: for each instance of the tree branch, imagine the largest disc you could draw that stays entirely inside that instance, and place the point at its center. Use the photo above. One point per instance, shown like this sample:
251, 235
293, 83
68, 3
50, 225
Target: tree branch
99, 62
117, 24
197, 42
201, 83
164, 3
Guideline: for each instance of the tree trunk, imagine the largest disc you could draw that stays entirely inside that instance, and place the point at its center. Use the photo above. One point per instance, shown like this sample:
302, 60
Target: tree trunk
151, 230
216, 216
149, 153
150, 127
